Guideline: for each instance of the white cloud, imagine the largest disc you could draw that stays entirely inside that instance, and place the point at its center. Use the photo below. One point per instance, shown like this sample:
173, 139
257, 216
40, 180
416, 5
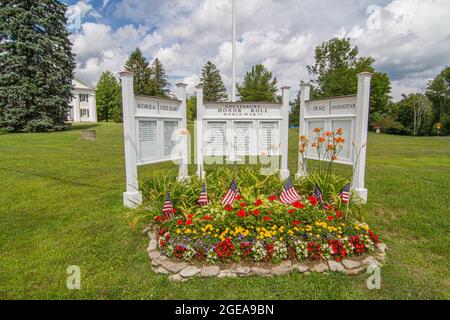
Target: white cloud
410, 39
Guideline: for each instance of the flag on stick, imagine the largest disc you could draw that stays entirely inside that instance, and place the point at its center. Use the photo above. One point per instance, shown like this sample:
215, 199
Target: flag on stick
203, 198
345, 193
319, 196
168, 207
230, 196
289, 194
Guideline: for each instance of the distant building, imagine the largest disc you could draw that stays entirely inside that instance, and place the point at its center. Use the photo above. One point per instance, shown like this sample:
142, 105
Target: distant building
83, 107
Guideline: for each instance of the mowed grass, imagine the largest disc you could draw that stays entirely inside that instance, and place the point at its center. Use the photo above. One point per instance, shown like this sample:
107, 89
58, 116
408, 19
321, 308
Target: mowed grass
61, 205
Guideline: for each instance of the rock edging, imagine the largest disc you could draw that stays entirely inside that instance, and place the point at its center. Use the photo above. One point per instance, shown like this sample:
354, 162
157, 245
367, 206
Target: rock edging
182, 271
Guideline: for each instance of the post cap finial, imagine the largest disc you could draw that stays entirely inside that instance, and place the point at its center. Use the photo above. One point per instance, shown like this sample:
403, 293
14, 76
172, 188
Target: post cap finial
304, 84
365, 74
181, 84
126, 73
285, 88
199, 86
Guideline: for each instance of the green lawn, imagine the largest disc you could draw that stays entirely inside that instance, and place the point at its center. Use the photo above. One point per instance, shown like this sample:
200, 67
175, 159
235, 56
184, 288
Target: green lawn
61, 205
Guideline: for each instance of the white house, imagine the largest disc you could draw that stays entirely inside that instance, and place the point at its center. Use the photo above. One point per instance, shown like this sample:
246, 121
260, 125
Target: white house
83, 107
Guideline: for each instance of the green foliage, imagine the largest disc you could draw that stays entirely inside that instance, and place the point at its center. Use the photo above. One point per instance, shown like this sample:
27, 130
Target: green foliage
438, 91
294, 113
213, 87
36, 66
191, 108
336, 65
142, 73
159, 82
258, 85
108, 96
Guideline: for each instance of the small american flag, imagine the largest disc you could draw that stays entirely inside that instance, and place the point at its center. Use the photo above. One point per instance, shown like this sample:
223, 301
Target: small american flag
230, 196
319, 196
168, 207
203, 198
345, 193
289, 194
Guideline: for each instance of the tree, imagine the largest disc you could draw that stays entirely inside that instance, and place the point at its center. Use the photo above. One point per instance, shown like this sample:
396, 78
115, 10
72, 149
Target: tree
213, 87
258, 85
335, 69
438, 91
414, 113
36, 66
294, 113
108, 95
142, 73
159, 79
191, 108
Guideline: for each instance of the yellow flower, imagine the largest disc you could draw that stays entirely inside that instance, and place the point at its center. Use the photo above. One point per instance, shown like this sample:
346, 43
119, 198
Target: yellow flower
178, 231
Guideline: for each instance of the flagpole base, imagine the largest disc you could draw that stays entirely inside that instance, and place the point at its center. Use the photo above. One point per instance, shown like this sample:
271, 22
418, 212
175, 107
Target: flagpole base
132, 199
284, 174
362, 194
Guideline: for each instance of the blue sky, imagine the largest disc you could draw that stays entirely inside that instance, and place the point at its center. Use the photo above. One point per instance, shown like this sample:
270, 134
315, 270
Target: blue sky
410, 39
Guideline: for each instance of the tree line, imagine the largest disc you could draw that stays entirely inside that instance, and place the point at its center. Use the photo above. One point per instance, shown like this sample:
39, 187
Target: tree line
37, 68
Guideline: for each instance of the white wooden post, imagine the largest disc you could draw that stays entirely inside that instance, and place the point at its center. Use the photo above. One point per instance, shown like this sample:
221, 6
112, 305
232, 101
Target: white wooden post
362, 119
76, 108
284, 172
305, 88
132, 198
183, 168
199, 132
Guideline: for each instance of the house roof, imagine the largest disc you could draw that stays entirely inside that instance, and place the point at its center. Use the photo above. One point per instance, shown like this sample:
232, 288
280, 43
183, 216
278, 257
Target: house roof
80, 84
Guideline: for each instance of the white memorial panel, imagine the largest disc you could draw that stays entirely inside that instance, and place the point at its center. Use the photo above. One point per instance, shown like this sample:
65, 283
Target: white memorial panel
346, 125
170, 138
269, 138
148, 138
243, 137
216, 140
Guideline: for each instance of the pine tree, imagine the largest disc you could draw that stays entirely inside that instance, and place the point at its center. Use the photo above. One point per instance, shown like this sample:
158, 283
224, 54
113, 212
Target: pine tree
108, 93
258, 85
142, 73
159, 79
36, 66
213, 87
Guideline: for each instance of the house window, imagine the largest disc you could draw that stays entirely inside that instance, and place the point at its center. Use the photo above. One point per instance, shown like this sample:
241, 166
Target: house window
85, 113
84, 97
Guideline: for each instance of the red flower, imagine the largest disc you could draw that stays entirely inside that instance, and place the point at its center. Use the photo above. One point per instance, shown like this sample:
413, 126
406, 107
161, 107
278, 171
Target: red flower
312, 200
228, 207
174, 210
190, 216
266, 218
238, 197
298, 205
180, 222
256, 212
273, 198
258, 202
291, 211
329, 207
242, 204
241, 213
189, 222
330, 218
207, 218
296, 222
157, 218
339, 214
270, 212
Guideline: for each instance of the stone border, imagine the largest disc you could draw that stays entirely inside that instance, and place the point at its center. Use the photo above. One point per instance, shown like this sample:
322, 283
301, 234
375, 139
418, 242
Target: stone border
182, 271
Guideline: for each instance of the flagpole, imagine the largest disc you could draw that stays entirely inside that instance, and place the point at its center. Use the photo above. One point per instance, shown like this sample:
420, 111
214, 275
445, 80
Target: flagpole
233, 77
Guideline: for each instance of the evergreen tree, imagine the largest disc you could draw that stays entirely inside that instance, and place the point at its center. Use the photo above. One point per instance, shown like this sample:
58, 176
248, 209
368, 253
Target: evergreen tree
142, 73
108, 94
36, 65
159, 79
335, 69
213, 87
258, 85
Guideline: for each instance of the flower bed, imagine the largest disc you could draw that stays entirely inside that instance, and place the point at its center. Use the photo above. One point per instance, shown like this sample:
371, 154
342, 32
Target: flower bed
262, 229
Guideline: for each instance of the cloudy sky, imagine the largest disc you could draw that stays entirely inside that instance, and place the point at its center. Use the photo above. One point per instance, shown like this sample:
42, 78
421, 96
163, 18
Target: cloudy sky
410, 39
